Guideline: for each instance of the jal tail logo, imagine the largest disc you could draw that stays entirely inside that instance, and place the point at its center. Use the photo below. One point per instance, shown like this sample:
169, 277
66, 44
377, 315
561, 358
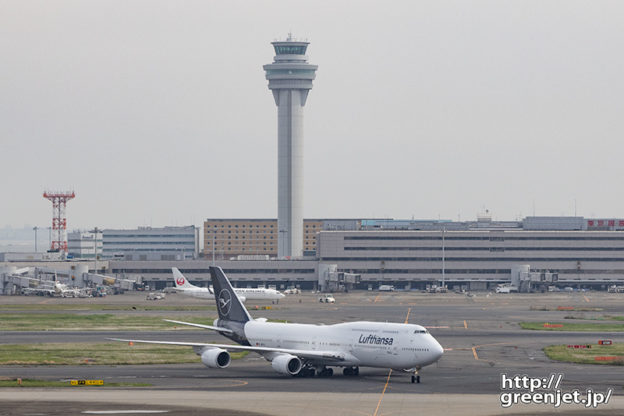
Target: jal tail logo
225, 302
180, 281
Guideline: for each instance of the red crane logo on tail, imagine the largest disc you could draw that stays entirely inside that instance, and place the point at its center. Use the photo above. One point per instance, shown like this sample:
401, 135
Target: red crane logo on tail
180, 281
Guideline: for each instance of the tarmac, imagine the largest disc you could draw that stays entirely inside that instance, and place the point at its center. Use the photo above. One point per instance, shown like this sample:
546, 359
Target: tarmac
480, 334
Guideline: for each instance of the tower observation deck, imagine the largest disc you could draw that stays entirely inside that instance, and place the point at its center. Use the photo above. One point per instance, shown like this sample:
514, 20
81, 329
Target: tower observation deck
290, 79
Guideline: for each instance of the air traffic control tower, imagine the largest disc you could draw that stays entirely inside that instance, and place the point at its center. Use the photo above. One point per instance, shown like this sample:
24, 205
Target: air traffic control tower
290, 79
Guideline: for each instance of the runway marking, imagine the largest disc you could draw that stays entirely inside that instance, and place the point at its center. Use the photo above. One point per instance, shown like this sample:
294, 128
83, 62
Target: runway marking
233, 383
465, 324
382, 393
586, 298
122, 412
389, 374
376, 299
474, 349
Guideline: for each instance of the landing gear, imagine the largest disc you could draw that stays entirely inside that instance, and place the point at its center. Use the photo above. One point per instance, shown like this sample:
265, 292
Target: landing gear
416, 377
306, 372
325, 372
351, 371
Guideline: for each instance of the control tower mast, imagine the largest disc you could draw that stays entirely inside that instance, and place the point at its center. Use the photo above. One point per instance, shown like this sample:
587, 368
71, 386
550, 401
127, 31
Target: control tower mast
290, 79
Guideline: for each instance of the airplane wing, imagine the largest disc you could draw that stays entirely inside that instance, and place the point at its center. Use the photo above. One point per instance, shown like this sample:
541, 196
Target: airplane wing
307, 354
214, 328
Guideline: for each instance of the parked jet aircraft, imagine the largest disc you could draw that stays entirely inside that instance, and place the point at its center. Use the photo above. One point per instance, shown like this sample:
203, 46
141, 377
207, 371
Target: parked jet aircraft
183, 286
186, 288
303, 349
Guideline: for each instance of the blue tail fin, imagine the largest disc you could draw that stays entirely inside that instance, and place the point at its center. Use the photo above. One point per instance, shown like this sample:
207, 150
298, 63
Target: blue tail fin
230, 308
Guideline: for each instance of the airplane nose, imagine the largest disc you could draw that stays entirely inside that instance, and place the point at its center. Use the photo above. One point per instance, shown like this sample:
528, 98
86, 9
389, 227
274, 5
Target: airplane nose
438, 350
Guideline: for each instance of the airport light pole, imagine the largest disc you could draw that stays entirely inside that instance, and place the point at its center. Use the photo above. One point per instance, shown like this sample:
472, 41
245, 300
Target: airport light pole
35, 229
443, 257
95, 234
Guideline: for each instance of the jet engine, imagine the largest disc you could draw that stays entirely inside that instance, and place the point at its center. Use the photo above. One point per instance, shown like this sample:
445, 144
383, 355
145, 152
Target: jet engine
286, 364
215, 358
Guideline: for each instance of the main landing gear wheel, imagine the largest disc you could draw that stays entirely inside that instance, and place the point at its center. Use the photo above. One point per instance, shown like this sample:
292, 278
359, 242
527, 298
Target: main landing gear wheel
351, 371
306, 372
326, 372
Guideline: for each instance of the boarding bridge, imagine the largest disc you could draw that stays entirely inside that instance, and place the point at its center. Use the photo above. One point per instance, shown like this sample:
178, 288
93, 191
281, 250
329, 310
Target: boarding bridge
331, 280
532, 281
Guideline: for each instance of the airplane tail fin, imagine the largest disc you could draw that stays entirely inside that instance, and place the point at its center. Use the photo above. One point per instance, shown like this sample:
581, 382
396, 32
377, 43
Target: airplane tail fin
180, 280
229, 306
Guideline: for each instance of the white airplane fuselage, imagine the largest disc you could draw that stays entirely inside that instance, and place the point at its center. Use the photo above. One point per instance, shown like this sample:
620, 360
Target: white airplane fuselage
370, 344
258, 294
246, 294
199, 292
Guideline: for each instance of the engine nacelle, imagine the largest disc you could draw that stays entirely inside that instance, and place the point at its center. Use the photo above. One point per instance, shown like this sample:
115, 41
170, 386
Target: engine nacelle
216, 358
286, 364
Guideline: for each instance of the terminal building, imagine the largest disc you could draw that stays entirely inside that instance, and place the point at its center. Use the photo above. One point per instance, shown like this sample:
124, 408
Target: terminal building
148, 243
414, 254
84, 244
231, 237
366, 253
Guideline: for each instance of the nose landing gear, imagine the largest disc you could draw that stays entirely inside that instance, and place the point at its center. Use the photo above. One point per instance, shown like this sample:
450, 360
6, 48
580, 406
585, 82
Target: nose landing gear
416, 377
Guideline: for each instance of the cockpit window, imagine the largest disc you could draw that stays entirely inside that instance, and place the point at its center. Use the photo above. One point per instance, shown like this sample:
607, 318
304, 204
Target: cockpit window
421, 331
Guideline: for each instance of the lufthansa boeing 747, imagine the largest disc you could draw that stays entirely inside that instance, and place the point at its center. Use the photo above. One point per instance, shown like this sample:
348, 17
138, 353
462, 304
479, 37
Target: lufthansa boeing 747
306, 350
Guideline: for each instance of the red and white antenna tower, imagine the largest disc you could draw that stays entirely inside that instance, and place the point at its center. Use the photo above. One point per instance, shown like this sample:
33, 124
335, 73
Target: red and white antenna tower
59, 220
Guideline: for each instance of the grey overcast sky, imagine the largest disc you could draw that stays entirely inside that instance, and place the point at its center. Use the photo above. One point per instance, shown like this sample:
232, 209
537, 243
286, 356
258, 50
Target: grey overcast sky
158, 113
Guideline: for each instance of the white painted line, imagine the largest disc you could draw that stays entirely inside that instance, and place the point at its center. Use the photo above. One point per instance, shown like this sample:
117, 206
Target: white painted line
122, 412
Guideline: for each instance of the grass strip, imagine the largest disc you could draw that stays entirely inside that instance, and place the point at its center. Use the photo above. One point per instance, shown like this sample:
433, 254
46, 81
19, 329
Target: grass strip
587, 355
115, 353
596, 318
91, 322
573, 326
46, 383
564, 309
103, 307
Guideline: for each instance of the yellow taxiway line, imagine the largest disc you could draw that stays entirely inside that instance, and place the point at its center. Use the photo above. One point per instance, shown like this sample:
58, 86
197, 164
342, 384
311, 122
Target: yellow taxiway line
382, 393
389, 373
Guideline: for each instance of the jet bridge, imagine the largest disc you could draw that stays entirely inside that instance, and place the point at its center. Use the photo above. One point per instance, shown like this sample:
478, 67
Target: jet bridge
331, 280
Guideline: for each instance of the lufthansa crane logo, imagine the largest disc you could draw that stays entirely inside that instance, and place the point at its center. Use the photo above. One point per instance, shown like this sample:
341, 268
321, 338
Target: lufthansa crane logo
180, 281
225, 301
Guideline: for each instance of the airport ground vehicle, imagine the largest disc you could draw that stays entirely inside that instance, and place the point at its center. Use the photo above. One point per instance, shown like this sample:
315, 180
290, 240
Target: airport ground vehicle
327, 299
386, 288
506, 289
155, 296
